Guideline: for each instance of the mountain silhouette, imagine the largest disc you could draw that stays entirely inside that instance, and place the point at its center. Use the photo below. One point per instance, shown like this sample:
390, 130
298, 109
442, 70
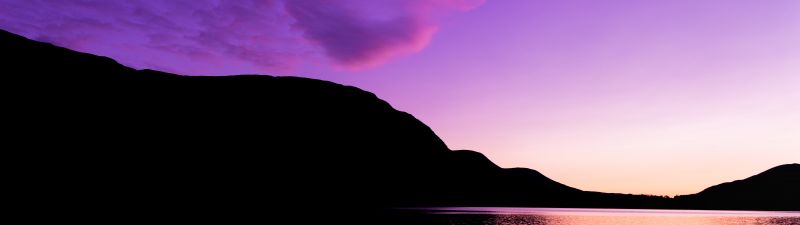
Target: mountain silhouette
141, 142
774, 189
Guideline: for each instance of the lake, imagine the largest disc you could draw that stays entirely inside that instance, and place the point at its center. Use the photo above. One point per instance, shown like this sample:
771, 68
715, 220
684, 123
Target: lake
556, 216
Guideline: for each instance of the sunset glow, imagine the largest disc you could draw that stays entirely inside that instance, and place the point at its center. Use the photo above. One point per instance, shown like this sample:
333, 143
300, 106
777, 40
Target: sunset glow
626, 96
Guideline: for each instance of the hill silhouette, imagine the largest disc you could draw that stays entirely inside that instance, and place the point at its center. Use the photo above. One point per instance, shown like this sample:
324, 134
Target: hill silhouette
774, 189
143, 142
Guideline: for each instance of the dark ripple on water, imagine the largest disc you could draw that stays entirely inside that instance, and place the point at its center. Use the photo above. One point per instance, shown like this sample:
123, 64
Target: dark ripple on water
606, 217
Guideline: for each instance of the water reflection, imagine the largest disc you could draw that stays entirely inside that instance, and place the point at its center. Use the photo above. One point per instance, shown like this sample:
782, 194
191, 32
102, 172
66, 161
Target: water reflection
604, 217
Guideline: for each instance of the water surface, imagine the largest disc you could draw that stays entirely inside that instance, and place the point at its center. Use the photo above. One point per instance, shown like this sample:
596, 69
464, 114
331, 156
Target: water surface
556, 216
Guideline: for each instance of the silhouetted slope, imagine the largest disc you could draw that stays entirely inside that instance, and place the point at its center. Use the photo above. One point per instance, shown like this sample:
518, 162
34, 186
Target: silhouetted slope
143, 142
775, 189
197, 143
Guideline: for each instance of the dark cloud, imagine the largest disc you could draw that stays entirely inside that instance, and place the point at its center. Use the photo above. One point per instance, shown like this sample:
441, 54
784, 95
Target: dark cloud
220, 36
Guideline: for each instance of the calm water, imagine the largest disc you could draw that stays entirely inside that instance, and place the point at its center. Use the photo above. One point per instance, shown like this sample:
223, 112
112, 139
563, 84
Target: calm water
550, 216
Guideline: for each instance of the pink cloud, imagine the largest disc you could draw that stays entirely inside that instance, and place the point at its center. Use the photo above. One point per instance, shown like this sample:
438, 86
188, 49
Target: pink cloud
219, 36
358, 34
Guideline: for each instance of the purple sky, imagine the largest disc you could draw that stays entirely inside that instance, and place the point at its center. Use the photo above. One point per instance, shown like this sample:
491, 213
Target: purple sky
634, 96
217, 37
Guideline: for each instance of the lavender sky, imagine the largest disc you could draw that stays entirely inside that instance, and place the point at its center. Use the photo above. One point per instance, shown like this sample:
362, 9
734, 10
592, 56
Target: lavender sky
633, 96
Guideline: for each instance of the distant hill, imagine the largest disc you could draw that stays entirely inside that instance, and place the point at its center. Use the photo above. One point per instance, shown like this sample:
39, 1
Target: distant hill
125, 141
775, 189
